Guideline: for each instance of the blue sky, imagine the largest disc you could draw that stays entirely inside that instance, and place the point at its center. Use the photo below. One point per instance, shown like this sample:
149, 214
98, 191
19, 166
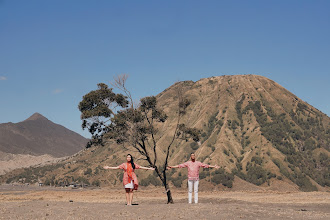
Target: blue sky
54, 52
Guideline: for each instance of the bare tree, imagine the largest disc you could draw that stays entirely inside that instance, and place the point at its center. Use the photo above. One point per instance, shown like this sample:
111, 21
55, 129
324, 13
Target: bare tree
137, 128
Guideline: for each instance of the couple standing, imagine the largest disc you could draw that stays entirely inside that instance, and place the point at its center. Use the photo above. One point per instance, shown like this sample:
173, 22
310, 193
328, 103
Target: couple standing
130, 180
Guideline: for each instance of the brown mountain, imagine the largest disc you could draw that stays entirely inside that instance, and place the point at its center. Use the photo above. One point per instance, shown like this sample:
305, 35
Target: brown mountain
255, 129
37, 136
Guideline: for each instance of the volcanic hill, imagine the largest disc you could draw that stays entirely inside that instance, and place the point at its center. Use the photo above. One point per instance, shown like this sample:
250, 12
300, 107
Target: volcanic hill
36, 140
252, 127
37, 135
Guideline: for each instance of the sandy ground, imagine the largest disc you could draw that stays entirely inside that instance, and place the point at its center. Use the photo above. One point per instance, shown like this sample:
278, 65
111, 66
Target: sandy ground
30, 202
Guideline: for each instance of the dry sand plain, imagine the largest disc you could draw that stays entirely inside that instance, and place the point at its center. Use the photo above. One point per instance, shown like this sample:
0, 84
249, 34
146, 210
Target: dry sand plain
29, 202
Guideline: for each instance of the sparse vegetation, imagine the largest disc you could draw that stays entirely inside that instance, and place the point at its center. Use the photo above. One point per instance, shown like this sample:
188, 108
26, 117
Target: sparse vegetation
194, 146
151, 179
280, 132
295, 138
220, 176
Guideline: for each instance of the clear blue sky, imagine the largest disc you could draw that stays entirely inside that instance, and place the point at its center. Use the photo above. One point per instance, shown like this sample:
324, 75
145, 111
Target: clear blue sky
54, 52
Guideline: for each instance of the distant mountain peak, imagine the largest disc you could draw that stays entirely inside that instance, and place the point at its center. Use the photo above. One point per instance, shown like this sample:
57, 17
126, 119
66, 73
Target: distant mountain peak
36, 116
37, 136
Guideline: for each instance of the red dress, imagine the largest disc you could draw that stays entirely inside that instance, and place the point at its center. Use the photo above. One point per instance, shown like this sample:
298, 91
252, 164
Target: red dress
126, 178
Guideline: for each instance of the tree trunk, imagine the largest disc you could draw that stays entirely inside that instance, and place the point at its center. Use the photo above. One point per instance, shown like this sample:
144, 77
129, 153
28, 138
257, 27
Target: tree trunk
169, 195
167, 188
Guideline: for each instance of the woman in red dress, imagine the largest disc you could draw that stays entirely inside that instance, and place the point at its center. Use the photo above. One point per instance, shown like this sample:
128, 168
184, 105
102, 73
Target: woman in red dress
129, 179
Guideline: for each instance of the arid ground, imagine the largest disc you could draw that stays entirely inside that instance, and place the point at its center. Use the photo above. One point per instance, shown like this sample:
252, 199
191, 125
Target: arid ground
31, 202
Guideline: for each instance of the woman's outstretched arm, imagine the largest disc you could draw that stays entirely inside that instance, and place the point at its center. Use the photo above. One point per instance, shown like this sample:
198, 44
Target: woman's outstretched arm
146, 168
110, 168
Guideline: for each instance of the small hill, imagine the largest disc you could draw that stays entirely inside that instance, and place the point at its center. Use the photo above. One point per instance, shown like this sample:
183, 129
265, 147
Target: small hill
10, 161
38, 136
251, 126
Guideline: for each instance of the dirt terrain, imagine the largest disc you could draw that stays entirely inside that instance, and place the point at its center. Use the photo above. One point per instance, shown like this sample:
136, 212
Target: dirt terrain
10, 162
31, 202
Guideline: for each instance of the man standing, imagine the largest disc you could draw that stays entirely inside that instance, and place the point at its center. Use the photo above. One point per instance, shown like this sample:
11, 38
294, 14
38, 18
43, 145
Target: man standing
193, 175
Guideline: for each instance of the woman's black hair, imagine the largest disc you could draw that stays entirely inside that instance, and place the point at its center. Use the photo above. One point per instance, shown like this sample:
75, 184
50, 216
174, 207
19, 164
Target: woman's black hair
132, 162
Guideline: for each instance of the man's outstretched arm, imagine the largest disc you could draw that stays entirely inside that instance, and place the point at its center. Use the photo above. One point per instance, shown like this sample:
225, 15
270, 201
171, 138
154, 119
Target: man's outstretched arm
204, 165
215, 166
170, 167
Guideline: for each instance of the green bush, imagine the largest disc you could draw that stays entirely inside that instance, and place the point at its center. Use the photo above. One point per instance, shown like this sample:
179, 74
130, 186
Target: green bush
310, 144
256, 160
220, 176
194, 146
203, 175
270, 175
256, 175
151, 179
88, 171
277, 162
213, 121
83, 180
304, 183
96, 183
177, 182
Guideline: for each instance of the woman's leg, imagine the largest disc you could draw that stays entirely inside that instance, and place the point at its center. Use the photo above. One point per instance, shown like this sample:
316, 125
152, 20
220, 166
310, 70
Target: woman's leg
127, 196
131, 196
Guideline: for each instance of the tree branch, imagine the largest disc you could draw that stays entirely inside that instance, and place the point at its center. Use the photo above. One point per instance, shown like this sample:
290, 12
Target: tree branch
152, 135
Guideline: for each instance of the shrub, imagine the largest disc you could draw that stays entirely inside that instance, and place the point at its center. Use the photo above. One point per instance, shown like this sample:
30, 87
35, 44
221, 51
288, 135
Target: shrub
151, 179
239, 166
82, 180
202, 175
88, 171
194, 146
304, 183
310, 144
97, 170
221, 176
257, 160
96, 183
47, 182
256, 175
277, 162
177, 182
271, 175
